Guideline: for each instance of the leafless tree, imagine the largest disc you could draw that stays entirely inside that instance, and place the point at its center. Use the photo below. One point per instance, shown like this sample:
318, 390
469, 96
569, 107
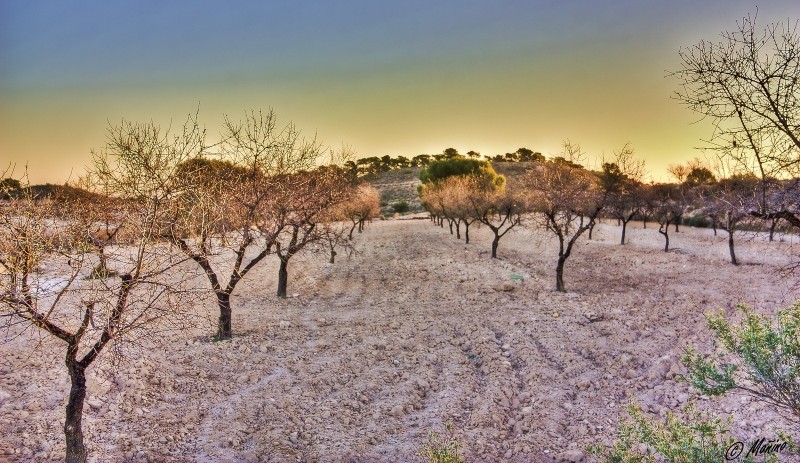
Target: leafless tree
500, 210
569, 199
361, 207
621, 179
668, 207
748, 86
731, 201
49, 284
308, 195
234, 209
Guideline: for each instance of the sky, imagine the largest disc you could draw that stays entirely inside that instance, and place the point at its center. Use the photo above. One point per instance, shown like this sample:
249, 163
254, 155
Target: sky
382, 78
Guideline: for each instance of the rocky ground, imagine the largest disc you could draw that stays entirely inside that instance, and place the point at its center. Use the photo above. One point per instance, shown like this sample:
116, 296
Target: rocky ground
414, 330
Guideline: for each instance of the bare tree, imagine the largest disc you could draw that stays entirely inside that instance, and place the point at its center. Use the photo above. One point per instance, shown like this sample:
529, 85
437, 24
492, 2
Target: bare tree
748, 86
500, 210
363, 206
302, 208
621, 180
230, 218
569, 200
49, 284
668, 202
731, 201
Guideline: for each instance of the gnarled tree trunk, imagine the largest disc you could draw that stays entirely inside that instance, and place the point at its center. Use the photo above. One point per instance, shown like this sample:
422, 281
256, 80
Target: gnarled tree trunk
73, 431
283, 277
224, 326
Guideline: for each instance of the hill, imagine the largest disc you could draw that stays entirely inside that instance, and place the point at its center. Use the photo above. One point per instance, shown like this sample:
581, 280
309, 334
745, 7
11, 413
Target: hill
401, 184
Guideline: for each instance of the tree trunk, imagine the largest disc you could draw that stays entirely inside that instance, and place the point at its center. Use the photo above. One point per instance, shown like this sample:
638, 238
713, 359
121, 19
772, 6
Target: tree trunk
772, 229
450, 224
591, 229
350, 236
283, 277
560, 275
665, 232
333, 256
644, 223
466, 233
677, 221
730, 247
495, 243
224, 330
624, 226
73, 431
714, 226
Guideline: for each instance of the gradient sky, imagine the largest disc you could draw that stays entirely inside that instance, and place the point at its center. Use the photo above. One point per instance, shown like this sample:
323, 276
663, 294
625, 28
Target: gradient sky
396, 78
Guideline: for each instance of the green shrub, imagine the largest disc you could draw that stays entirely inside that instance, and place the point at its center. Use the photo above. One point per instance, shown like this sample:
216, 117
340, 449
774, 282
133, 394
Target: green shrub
697, 221
442, 449
400, 206
758, 357
461, 166
691, 437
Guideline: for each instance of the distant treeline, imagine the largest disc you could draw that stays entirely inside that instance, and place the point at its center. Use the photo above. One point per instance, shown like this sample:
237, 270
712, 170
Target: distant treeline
376, 165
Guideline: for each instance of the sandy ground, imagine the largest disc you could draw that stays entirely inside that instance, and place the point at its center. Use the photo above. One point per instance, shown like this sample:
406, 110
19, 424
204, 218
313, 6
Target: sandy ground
414, 330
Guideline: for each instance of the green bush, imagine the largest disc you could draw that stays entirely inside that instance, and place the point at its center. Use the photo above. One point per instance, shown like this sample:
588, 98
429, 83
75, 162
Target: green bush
442, 449
461, 166
758, 357
691, 437
697, 221
400, 206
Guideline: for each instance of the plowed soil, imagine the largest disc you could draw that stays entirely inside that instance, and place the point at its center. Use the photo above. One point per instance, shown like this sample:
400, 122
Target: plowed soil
416, 329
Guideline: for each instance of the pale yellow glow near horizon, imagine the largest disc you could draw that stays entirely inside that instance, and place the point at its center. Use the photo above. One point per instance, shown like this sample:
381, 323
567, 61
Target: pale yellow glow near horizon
409, 112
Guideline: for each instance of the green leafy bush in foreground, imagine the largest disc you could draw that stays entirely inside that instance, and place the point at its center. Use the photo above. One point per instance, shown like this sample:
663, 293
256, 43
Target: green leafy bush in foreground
756, 357
688, 437
759, 357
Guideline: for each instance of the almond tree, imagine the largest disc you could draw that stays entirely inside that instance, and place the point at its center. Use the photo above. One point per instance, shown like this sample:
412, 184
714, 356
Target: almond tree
730, 203
363, 206
621, 180
499, 209
568, 199
668, 207
457, 192
301, 208
230, 218
748, 85
48, 284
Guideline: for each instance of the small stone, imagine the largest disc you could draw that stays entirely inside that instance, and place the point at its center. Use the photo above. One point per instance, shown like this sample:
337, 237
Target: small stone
584, 384
505, 287
94, 403
594, 316
572, 456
